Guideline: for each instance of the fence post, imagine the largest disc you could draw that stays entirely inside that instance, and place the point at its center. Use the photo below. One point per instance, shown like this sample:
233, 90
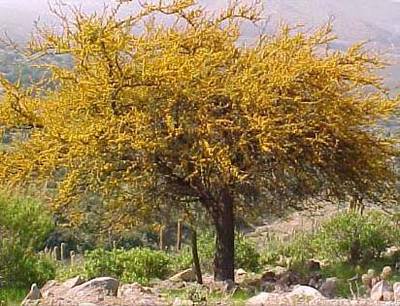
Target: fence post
162, 237
179, 236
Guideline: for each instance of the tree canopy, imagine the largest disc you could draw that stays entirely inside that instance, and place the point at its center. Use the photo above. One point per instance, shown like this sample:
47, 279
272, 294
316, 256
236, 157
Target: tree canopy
154, 111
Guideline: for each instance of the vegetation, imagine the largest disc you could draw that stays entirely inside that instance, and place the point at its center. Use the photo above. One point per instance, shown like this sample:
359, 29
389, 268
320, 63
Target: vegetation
347, 238
24, 226
156, 116
356, 238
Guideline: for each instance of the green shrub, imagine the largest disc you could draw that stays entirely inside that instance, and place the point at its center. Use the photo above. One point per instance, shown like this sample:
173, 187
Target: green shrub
246, 255
354, 238
24, 226
135, 265
297, 247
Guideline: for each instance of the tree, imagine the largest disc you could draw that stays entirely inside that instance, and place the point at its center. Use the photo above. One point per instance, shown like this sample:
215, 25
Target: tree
151, 112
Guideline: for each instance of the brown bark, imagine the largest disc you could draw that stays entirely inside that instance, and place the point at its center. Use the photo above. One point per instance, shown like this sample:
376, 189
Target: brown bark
223, 217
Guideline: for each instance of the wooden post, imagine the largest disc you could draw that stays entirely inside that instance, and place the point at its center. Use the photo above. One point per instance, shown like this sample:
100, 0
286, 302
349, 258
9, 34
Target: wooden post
195, 255
179, 236
162, 238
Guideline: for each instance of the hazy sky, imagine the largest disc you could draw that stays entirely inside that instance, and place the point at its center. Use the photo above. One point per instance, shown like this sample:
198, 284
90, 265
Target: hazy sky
378, 20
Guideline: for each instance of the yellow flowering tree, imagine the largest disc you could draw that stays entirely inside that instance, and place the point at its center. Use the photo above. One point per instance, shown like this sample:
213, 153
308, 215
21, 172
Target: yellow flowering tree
151, 112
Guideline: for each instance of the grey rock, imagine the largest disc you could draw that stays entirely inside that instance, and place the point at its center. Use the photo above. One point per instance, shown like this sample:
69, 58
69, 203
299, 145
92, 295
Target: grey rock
261, 299
396, 291
73, 282
329, 287
180, 302
33, 295
187, 276
108, 285
381, 291
304, 293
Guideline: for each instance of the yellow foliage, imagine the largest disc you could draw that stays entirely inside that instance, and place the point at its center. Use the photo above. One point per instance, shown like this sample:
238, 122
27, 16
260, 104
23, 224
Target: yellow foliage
150, 110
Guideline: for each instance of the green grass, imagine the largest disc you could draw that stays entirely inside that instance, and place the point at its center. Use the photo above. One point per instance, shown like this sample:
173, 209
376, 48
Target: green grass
12, 296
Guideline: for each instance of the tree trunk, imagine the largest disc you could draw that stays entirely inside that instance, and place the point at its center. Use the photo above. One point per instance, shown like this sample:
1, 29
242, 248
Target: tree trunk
195, 255
223, 217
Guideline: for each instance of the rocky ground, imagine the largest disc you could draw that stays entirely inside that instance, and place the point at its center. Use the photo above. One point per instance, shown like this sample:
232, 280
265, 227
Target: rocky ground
283, 286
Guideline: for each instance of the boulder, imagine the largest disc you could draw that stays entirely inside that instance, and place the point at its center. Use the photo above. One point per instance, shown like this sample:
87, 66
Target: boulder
268, 281
73, 282
386, 273
180, 302
187, 275
380, 291
287, 279
396, 291
313, 265
49, 288
264, 299
304, 294
107, 285
33, 295
222, 286
132, 290
240, 272
315, 280
329, 287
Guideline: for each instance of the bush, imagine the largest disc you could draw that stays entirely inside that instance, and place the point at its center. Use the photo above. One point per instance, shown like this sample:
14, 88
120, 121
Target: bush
24, 226
355, 238
297, 247
136, 265
246, 255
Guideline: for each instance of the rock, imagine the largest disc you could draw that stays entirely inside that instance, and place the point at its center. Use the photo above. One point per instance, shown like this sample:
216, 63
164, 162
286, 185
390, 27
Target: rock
313, 265
33, 295
388, 296
379, 291
180, 302
73, 282
304, 293
240, 276
131, 290
222, 286
263, 299
396, 291
47, 289
386, 273
367, 282
371, 272
315, 280
107, 285
87, 304
288, 279
187, 276
240, 272
328, 288
268, 276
